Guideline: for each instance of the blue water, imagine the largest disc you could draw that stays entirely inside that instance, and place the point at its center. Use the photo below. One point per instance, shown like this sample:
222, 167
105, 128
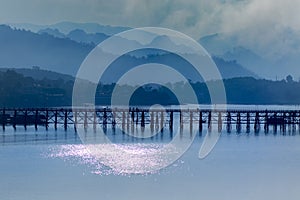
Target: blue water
57, 166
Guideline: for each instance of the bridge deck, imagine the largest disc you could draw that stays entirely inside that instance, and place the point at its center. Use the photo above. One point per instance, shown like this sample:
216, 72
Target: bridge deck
66, 117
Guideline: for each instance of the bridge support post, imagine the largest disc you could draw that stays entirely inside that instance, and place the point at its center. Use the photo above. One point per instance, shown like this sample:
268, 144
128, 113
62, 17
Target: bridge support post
143, 121
75, 121
36, 119
209, 123
25, 120
47, 120
256, 123
248, 123
284, 124
123, 121
156, 122
15, 120
289, 122
3, 119
238, 123
55, 120
66, 121
220, 122
171, 122
191, 121
113, 122
85, 121
95, 121
104, 118
132, 121
275, 124
162, 121
200, 123
228, 122
137, 116
294, 122
132, 116
152, 121
266, 124
127, 121
181, 121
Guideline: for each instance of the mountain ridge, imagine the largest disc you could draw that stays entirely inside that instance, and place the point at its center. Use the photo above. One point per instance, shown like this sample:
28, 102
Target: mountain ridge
64, 55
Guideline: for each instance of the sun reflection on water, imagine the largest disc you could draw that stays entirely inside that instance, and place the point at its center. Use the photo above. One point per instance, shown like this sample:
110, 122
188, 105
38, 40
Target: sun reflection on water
133, 158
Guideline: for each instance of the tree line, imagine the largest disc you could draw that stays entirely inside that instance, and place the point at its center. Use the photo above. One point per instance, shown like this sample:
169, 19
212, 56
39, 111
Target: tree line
19, 91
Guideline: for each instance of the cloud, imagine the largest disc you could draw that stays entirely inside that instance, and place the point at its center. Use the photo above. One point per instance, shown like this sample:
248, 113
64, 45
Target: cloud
257, 23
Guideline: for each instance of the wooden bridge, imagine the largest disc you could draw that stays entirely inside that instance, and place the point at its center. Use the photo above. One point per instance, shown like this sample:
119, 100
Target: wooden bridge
209, 119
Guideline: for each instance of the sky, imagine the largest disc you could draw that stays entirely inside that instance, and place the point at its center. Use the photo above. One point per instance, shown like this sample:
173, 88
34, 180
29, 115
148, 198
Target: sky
193, 17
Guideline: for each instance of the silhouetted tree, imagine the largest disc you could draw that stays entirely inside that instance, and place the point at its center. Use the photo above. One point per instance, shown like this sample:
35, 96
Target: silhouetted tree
289, 79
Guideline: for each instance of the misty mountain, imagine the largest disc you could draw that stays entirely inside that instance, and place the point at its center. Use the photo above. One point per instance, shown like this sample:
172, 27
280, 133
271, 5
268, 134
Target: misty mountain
83, 37
218, 44
268, 59
228, 69
40, 74
228, 48
77, 35
24, 49
53, 32
250, 60
67, 27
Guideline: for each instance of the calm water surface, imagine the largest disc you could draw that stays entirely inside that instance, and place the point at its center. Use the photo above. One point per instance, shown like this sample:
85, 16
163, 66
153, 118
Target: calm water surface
56, 165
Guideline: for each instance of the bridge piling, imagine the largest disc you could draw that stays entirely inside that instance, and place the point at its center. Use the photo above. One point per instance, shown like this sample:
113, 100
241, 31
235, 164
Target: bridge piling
36, 120
209, 124
220, 122
228, 126
162, 121
294, 128
3, 119
200, 122
171, 122
85, 122
248, 123
256, 123
181, 121
15, 120
152, 121
47, 120
137, 117
266, 124
55, 120
75, 121
95, 121
238, 123
191, 121
128, 120
66, 121
284, 124
25, 120
123, 120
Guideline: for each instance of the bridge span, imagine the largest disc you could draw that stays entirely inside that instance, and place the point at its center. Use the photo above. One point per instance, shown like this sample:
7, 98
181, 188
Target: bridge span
231, 120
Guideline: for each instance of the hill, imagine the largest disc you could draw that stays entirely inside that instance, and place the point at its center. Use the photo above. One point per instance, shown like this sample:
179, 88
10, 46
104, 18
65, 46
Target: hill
66, 27
267, 58
24, 49
40, 74
18, 90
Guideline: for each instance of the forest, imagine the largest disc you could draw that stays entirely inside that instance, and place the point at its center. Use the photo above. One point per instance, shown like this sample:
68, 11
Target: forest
18, 90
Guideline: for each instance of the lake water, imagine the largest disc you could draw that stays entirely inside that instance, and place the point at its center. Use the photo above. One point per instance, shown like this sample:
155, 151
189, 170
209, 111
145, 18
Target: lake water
56, 165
